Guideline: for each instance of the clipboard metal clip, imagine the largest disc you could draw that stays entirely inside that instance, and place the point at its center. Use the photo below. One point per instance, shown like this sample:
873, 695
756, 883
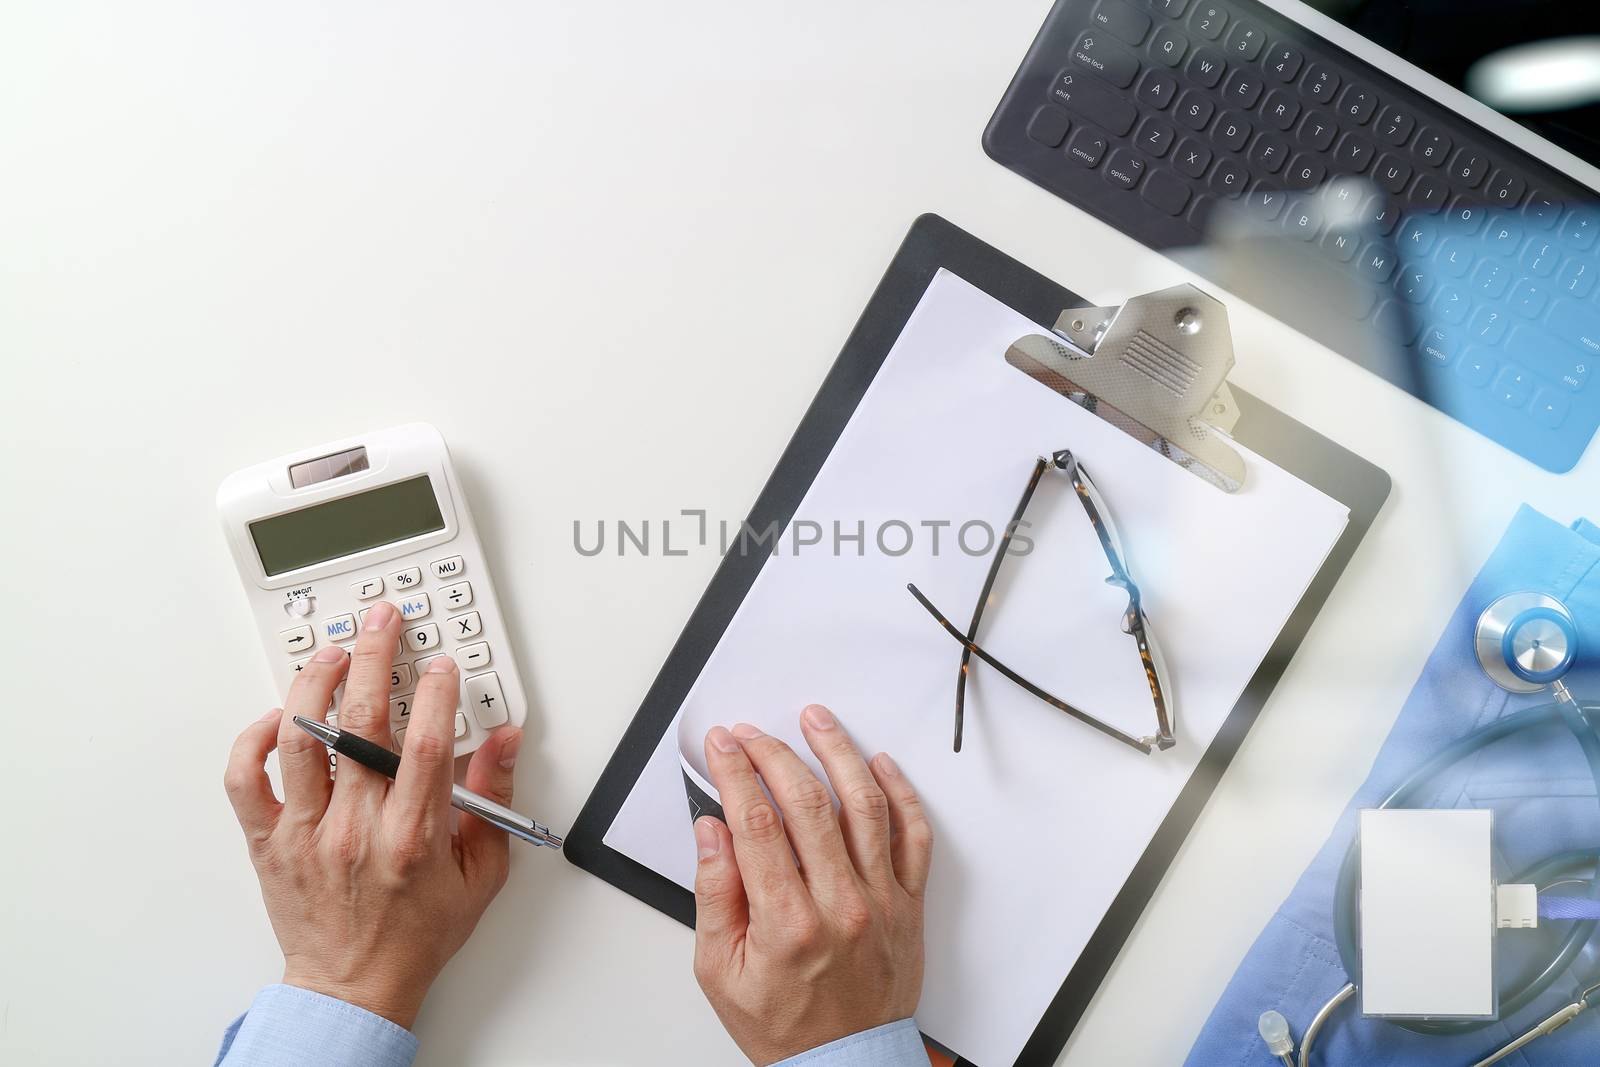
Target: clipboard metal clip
1155, 367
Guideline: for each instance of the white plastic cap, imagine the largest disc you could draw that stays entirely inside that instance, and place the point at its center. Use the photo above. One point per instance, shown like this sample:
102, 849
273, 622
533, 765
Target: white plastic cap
1516, 907
1275, 1032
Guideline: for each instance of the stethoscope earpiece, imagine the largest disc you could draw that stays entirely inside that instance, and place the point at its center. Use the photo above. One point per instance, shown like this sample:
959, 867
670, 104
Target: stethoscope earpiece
1526, 641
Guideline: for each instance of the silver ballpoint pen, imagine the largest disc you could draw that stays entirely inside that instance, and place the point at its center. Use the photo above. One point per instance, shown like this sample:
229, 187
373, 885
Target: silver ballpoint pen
385, 762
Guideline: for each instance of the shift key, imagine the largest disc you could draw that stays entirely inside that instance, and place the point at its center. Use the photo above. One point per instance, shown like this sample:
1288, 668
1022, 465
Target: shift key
1549, 356
1086, 96
1573, 322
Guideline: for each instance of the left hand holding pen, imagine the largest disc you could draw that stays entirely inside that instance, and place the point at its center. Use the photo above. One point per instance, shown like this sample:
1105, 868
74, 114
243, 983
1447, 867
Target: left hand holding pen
369, 892
793, 956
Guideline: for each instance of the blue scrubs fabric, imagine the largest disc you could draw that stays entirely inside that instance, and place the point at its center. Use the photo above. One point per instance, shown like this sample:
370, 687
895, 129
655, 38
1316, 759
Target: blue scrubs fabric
1543, 798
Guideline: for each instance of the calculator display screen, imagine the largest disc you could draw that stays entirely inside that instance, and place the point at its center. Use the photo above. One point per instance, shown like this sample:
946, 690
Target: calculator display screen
347, 525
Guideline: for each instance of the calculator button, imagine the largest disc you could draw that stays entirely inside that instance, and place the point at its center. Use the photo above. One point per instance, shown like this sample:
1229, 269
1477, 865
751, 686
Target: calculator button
424, 663
299, 665
414, 607
400, 739
447, 568
421, 638
406, 579
400, 679
296, 639
400, 710
367, 588
487, 702
457, 596
464, 626
461, 725
340, 628
473, 657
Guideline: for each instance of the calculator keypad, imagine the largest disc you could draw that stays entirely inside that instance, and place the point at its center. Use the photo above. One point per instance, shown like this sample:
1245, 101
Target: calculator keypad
421, 638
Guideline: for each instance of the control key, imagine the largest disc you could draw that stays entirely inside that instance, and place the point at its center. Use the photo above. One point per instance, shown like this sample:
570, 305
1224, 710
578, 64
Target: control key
1084, 95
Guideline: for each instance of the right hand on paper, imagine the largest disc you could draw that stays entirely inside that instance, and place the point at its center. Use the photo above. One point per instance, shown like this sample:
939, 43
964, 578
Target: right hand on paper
795, 956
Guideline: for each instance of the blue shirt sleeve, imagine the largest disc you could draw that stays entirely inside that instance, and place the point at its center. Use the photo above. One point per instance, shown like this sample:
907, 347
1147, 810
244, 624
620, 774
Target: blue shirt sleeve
891, 1045
291, 1027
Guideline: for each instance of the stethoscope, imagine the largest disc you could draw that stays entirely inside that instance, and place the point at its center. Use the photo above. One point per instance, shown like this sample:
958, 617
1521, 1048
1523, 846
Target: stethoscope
1525, 643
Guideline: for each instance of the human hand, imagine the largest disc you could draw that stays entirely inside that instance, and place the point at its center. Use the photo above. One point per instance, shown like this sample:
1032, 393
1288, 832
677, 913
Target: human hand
368, 891
795, 956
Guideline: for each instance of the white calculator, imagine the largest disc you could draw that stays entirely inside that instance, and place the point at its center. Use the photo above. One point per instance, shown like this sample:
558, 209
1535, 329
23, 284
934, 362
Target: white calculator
323, 534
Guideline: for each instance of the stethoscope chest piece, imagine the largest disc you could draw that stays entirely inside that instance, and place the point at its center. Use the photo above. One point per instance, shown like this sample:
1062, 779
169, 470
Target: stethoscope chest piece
1526, 641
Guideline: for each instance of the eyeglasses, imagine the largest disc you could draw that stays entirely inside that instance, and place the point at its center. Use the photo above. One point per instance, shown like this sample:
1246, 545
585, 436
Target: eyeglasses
1134, 622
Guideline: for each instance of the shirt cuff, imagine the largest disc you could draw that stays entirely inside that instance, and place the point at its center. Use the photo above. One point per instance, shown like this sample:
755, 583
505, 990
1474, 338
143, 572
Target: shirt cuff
291, 1027
890, 1045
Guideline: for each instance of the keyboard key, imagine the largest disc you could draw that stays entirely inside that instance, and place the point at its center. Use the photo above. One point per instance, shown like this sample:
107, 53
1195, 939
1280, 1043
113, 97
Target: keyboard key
1341, 245
1394, 322
1504, 235
1194, 109
1158, 89
1491, 279
1166, 191
1451, 305
1488, 325
1124, 169
1170, 8
1417, 237
1092, 100
1550, 408
1169, 46
1437, 347
1579, 227
1155, 137
1357, 105
1513, 386
1506, 189
1466, 215
1281, 109
1529, 298
1381, 214
1192, 157
1049, 126
1540, 258
1317, 131
1266, 202
1572, 322
1354, 154
1550, 356
1106, 58
1541, 210
1242, 90
1376, 263
1283, 62
1229, 178
1576, 277
487, 702
1208, 21
1428, 193
1468, 168
1087, 147
1320, 83
1432, 147
1414, 284
1232, 132
1245, 41
1455, 256
1393, 173
1122, 20
1206, 66
1305, 172
1395, 126
1477, 367
1303, 220
1270, 152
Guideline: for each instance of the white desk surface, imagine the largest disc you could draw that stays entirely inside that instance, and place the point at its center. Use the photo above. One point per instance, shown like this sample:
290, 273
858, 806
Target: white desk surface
610, 250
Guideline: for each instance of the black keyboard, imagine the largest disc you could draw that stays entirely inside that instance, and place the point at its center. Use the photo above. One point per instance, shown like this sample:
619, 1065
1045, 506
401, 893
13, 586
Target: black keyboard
1330, 194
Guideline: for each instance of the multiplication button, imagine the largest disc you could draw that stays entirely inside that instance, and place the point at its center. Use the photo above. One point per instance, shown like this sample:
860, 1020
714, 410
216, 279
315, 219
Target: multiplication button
457, 596
487, 702
465, 626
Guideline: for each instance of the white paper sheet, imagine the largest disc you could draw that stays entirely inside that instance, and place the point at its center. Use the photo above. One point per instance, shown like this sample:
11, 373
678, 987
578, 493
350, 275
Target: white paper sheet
1039, 819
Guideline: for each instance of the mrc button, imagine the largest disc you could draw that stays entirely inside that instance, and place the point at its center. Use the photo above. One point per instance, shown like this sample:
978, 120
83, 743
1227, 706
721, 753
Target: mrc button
340, 628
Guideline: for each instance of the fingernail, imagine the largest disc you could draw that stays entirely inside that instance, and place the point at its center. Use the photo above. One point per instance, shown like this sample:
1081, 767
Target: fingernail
442, 664
746, 732
706, 836
380, 615
721, 740
508, 750
888, 765
331, 654
819, 717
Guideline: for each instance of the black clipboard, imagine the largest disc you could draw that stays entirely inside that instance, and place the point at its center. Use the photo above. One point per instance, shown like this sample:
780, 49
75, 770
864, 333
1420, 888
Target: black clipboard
934, 243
